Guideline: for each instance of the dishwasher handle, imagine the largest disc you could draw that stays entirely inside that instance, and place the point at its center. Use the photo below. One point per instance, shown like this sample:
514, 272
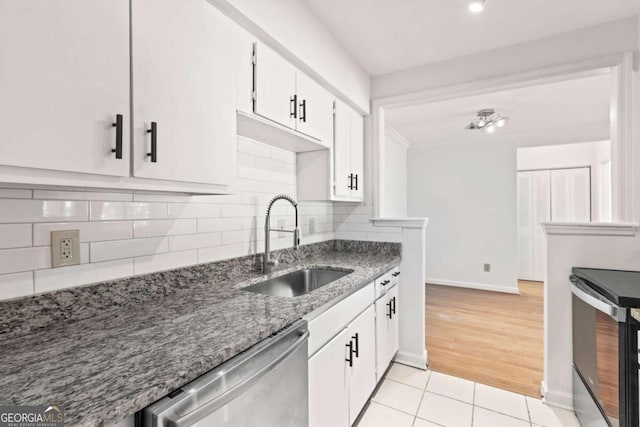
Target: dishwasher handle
597, 301
208, 408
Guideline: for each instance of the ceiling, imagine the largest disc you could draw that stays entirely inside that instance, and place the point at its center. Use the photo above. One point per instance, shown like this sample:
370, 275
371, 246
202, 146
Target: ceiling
391, 35
556, 113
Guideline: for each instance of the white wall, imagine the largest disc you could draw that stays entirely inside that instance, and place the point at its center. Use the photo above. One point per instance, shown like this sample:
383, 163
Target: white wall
293, 30
125, 234
590, 154
394, 204
468, 192
608, 39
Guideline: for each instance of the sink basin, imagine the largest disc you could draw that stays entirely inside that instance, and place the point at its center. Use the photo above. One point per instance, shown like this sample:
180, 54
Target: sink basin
297, 283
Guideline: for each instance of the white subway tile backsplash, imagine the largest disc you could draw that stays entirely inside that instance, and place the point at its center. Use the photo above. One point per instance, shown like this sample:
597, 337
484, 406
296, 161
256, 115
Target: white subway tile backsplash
208, 225
104, 211
194, 241
243, 236
162, 262
118, 249
283, 156
163, 227
193, 210
217, 253
255, 148
81, 195
15, 235
24, 259
16, 285
15, 193
77, 275
23, 211
89, 231
232, 211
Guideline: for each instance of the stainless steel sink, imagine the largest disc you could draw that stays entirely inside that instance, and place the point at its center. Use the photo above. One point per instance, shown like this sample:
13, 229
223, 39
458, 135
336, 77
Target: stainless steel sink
297, 283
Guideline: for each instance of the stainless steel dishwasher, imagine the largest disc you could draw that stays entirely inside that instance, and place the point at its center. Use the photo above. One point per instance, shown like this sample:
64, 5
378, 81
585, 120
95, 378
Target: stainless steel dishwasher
265, 386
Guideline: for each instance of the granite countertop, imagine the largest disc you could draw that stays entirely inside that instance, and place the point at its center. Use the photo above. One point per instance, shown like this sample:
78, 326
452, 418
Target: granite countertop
118, 360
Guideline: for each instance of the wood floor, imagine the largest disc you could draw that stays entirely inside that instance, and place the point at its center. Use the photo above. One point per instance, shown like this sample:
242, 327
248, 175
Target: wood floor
489, 337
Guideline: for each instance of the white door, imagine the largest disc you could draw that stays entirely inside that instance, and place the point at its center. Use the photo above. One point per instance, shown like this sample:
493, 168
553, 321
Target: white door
183, 81
64, 77
275, 87
363, 372
571, 195
315, 109
343, 176
329, 384
357, 154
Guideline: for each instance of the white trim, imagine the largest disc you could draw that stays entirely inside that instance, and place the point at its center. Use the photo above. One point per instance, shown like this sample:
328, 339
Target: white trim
557, 399
590, 229
398, 137
410, 359
472, 285
409, 222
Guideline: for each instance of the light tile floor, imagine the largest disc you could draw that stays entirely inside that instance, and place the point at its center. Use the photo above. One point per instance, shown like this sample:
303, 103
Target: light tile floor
409, 397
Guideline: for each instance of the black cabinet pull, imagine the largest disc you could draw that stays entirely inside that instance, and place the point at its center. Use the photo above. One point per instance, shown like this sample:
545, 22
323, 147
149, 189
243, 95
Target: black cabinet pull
350, 359
356, 351
390, 313
350, 186
293, 112
356, 183
396, 274
154, 142
303, 111
394, 304
118, 126
385, 282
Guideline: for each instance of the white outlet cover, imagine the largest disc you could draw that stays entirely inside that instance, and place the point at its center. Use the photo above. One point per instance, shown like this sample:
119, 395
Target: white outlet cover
65, 248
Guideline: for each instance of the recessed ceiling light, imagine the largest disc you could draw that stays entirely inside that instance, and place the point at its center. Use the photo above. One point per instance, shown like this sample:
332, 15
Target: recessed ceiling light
476, 6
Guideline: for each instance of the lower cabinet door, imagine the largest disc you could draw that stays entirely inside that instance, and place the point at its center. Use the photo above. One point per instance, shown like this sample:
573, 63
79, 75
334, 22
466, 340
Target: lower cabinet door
394, 329
329, 384
383, 334
363, 372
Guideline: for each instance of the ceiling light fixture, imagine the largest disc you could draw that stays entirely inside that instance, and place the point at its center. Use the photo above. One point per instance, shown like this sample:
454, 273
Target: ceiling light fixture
487, 120
476, 6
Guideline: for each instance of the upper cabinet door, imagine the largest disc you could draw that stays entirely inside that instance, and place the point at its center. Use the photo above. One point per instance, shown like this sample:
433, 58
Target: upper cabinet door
274, 84
315, 109
357, 154
183, 92
343, 177
64, 78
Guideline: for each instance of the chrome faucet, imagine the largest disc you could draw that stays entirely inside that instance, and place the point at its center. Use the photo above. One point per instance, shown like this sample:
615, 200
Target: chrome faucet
267, 262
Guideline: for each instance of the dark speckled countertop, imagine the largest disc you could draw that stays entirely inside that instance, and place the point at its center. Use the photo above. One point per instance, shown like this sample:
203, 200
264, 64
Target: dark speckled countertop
104, 352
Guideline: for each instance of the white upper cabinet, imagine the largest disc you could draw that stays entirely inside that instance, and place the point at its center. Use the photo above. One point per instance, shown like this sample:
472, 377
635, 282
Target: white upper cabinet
357, 154
183, 92
64, 78
315, 109
289, 97
348, 153
274, 87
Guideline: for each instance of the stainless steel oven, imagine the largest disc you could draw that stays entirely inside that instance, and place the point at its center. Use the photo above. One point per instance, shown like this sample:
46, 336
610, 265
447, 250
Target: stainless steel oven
605, 388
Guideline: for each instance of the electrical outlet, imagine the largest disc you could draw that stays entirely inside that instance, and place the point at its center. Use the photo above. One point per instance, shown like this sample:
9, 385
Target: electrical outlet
65, 248
487, 268
281, 223
312, 225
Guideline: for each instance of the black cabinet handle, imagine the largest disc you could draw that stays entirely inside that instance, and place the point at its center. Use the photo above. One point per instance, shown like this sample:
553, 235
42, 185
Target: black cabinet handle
390, 313
385, 283
303, 111
293, 112
357, 350
154, 142
393, 300
350, 359
356, 183
350, 186
396, 274
118, 126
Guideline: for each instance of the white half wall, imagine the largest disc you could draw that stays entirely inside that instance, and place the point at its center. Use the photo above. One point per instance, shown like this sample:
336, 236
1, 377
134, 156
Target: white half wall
468, 192
394, 201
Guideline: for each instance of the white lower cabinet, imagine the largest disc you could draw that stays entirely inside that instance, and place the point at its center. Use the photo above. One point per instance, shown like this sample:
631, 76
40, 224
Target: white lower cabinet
387, 330
342, 372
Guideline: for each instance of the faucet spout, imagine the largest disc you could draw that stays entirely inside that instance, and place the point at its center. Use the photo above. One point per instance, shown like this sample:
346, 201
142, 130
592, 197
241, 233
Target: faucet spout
267, 262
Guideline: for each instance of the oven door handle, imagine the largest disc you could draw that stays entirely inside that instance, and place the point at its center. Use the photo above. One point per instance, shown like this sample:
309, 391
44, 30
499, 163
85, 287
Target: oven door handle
619, 314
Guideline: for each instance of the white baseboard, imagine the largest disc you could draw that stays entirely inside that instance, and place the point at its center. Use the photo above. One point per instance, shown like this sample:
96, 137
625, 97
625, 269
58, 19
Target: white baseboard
411, 359
473, 285
556, 398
